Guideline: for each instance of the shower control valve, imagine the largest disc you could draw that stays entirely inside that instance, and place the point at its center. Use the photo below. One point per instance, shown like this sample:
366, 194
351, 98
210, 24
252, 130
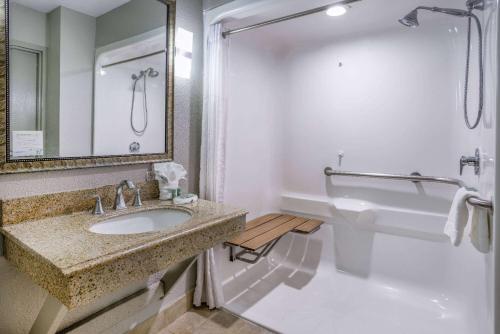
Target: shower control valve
340, 156
475, 4
471, 161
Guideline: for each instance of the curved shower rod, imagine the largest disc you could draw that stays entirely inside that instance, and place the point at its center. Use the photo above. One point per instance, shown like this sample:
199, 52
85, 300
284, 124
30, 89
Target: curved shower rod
288, 17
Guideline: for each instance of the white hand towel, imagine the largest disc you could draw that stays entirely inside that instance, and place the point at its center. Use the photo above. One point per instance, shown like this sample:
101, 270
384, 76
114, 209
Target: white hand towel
458, 216
480, 229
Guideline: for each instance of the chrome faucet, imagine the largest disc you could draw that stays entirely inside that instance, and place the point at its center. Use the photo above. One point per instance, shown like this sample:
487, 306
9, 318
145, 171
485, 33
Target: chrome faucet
98, 210
474, 161
119, 199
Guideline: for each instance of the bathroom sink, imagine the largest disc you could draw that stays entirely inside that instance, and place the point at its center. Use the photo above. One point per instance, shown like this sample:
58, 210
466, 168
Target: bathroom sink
142, 222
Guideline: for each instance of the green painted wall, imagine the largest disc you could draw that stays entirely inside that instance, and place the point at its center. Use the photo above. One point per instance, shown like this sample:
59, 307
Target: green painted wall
53, 82
131, 19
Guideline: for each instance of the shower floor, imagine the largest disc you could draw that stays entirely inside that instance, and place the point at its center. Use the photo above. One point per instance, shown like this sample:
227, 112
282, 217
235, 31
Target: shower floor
294, 299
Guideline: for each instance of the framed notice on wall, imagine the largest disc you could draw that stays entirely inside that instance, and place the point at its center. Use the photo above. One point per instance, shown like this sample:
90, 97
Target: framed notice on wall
27, 143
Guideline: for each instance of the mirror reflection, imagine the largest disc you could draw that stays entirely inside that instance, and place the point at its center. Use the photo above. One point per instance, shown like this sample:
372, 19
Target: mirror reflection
87, 78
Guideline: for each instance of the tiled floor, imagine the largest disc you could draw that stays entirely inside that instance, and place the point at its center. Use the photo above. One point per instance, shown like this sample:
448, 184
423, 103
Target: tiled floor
203, 321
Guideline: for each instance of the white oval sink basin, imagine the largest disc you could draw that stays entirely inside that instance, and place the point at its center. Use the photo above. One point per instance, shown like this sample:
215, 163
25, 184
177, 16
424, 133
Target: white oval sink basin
142, 222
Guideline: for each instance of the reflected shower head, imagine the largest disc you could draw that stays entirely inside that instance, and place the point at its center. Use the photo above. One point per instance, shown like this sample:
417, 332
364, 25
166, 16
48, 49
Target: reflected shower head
152, 73
411, 19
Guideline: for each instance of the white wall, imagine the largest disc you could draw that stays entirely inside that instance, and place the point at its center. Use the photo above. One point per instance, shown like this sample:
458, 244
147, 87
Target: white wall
28, 28
488, 139
390, 100
20, 298
77, 45
254, 147
209, 4
70, 39
394, 106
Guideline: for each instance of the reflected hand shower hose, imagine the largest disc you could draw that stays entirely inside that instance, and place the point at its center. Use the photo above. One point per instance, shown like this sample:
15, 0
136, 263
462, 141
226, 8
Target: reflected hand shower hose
150, 72
411, 20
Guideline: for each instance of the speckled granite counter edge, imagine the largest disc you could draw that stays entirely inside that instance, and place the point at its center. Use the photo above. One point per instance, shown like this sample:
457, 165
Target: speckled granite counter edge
213, 223
83, 285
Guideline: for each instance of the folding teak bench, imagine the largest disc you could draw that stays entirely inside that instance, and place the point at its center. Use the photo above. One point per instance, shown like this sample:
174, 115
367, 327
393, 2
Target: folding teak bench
263, 233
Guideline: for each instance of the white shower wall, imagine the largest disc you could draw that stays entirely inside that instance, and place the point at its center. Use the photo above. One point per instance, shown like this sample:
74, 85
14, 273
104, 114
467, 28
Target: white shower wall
392, 101
488, 139
112, 131
394, 106
253, 167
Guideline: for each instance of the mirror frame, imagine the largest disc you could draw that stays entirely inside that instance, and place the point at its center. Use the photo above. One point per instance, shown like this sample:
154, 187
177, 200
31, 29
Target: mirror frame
8, 166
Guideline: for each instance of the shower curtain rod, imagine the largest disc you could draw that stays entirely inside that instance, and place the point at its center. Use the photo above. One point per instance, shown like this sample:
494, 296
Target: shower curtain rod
132, 59
288, 17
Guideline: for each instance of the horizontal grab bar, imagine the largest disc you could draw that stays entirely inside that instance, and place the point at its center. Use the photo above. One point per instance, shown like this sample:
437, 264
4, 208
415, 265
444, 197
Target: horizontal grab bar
414, 178
475, 201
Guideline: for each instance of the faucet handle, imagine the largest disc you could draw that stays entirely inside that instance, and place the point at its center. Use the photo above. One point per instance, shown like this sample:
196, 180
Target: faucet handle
463, 163
128, 183
474, 161
98, 210
137, 198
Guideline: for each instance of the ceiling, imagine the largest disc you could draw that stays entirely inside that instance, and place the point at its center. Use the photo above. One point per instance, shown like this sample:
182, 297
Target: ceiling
93, 8
363, 17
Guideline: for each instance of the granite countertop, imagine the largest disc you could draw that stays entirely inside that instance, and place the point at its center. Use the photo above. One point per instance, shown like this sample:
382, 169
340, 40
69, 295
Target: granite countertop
78, 266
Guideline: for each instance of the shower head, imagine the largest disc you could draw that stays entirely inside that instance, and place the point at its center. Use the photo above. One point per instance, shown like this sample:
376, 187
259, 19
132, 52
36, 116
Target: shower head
411, 19
152, 73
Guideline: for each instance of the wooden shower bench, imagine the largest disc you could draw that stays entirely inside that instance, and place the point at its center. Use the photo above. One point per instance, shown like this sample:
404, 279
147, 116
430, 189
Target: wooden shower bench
263, 234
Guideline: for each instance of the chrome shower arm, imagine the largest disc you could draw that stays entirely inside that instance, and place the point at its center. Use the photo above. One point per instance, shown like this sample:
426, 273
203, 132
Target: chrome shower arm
449, 11
411, 20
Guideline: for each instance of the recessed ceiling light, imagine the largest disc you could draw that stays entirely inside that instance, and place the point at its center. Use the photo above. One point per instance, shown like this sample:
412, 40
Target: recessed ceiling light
337, 10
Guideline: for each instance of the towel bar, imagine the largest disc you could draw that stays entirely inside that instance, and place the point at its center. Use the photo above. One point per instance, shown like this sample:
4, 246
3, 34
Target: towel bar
476, 201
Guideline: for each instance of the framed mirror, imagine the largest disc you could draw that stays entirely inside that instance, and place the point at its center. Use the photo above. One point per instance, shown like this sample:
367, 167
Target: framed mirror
87, 83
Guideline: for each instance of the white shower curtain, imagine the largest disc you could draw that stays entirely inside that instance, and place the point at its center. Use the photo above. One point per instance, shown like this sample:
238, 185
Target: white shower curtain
213, 149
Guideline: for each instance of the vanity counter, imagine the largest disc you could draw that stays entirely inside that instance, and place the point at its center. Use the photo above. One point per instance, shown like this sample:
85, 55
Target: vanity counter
78, 266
